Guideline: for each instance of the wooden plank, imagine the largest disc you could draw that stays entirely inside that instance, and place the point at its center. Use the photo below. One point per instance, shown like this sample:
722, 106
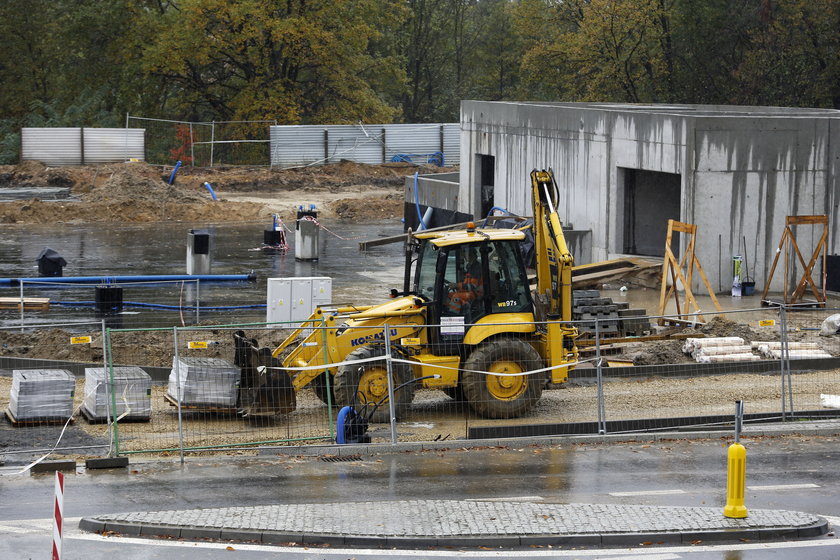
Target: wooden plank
37, 303
200, 407
47, 421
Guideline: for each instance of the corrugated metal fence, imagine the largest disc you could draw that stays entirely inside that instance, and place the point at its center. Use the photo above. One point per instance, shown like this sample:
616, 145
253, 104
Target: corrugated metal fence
365, 143
79, 146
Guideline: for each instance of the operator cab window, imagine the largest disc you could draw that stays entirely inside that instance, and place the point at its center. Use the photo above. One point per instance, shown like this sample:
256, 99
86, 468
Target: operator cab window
508, 289
424, 284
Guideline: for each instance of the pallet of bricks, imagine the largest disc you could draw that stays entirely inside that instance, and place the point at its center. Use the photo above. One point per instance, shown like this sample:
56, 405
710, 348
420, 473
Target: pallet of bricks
41, 396
615, 319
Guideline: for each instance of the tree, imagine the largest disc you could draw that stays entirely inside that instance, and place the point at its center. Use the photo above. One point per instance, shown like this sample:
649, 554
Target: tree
793, 56
298, 61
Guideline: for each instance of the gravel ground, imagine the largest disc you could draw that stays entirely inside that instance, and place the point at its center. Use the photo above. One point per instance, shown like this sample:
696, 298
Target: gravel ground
434, 416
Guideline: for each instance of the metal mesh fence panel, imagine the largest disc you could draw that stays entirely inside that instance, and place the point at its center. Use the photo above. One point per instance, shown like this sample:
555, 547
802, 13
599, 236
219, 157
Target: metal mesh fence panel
202, 399
810, 374
694, 377
235, 387
140, 304
204, 144
42, 390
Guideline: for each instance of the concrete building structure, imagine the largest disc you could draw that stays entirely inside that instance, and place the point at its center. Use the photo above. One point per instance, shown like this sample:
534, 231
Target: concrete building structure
624, 170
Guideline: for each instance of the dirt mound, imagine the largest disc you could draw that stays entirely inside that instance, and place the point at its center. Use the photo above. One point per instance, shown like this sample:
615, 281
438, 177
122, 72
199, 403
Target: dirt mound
390, 206
137, 192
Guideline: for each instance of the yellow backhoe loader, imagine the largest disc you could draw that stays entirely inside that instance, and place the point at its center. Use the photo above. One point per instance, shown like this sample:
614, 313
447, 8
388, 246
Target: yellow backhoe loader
466, 322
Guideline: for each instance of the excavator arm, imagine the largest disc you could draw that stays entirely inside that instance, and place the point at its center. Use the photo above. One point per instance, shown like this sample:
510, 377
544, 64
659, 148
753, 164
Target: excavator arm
554, 275
554, 261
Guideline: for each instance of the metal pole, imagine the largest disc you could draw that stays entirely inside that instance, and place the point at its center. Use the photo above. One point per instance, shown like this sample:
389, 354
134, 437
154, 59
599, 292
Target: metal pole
176, 365
212, 140
192, 151
389, 367
112, 413
784, 353
105, 358
602, 421
327, 378
197, 300
739, 420
21, 306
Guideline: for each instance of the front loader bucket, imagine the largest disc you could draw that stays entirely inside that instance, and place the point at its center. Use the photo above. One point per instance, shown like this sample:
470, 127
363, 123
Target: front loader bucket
264, 388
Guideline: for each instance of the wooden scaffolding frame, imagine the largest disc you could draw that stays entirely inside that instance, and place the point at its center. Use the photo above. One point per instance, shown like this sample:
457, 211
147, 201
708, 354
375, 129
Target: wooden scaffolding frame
788, 240
673, 269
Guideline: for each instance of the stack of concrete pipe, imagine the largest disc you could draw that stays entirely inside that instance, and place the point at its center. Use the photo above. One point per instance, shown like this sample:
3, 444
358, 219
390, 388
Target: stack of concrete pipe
734, 349
719, 349
796, 350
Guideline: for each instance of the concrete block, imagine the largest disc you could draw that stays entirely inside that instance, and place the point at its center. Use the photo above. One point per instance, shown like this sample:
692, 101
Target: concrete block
274, 537
241, 535
51, 466
106, 463
91, 525
201, 533
124, 528
159, 531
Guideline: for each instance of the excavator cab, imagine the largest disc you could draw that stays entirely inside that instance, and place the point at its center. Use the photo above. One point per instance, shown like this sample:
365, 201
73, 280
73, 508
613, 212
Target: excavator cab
464, 277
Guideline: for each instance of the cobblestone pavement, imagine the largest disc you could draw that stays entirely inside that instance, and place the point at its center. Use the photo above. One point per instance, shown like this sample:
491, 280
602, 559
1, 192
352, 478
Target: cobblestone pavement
466, 523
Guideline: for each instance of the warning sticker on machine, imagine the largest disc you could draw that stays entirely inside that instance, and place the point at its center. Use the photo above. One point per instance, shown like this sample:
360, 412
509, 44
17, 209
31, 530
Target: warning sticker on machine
451, 325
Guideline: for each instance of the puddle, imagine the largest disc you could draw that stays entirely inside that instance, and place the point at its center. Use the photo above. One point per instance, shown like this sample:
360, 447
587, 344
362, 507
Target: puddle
151, 249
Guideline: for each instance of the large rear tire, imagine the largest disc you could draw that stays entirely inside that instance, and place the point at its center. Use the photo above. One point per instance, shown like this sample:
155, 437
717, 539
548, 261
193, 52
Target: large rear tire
319, 386
503, 396
367, 383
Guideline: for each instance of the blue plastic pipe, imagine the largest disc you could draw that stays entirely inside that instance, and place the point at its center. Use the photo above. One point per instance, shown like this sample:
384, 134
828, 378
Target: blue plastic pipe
48, 281
174, 172
210, 188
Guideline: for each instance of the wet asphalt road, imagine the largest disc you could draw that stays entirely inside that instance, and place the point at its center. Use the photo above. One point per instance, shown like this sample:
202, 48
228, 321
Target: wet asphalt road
794, 473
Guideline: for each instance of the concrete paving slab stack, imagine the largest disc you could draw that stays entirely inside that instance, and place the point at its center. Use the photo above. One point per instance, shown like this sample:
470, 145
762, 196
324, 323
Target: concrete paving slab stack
204, 381
132, 388
41, 394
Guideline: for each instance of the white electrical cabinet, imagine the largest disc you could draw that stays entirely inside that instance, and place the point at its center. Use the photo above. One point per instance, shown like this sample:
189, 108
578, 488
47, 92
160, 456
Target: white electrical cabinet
292, 300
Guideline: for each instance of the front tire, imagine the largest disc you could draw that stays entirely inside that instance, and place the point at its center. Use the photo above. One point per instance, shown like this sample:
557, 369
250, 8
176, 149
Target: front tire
367, 383
503, 396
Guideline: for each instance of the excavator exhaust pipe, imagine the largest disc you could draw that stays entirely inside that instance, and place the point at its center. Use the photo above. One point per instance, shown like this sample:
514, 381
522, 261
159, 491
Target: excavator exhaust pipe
264, 388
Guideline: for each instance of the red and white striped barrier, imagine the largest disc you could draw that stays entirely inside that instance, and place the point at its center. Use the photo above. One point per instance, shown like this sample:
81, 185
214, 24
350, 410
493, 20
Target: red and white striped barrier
58, 515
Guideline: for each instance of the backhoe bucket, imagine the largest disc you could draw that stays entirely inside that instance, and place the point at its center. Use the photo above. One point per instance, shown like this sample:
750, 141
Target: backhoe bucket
264, 388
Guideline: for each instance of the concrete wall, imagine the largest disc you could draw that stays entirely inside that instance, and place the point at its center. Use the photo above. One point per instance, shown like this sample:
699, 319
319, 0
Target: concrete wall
742, 170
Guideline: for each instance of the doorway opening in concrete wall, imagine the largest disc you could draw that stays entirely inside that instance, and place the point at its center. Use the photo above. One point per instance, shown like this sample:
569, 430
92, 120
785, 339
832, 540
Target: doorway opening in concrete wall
486, 166
651, 198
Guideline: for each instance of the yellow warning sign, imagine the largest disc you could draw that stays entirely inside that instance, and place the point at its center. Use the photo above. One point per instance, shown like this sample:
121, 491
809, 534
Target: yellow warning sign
194, 344
767, 323
80, 340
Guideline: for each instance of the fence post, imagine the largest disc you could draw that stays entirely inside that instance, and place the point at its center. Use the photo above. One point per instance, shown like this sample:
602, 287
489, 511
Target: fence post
21, 306
327, 379
212, 140
105, 359
112, 397
192, 151
602, 420
176, 365
392, 409
384, 148
197, 301
784, 362
326, 146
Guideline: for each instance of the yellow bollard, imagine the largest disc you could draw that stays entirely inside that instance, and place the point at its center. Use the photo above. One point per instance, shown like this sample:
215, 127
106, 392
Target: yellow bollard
736, 480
